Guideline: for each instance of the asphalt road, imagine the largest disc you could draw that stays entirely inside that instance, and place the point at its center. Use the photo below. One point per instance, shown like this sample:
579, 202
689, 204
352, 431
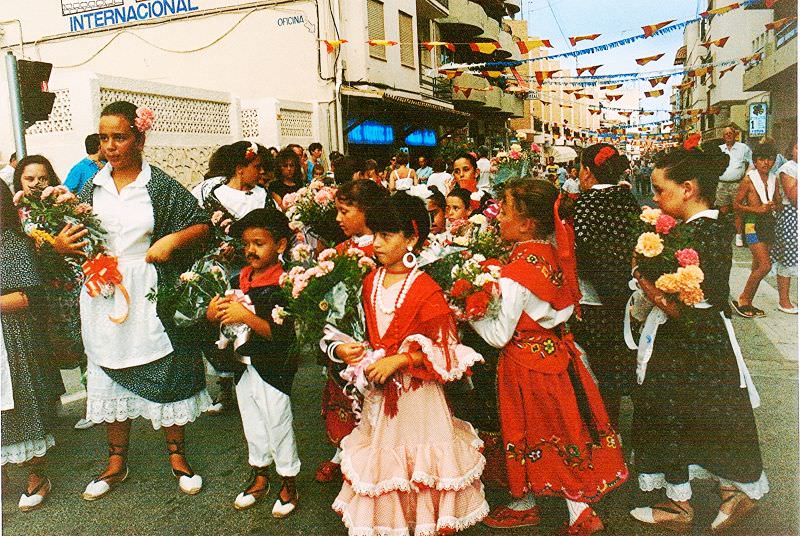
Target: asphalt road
149, 503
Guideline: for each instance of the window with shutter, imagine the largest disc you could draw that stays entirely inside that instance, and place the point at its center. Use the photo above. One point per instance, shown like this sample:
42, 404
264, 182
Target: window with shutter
376, 29
406, 40
424, 34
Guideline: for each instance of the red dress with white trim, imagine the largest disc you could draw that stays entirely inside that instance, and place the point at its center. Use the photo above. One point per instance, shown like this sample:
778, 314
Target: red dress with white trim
558, 438
410, 467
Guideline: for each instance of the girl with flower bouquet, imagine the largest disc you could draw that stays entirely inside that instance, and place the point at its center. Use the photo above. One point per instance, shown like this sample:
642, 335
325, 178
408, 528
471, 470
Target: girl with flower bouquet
354, 201
227, 198
693, 411
409, 466
559, 441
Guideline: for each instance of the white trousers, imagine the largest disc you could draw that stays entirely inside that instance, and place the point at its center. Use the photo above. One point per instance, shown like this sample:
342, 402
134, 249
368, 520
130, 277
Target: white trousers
267, 420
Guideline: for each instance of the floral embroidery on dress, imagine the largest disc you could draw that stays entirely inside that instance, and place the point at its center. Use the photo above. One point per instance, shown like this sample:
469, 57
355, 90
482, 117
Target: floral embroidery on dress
554, 275
536, 345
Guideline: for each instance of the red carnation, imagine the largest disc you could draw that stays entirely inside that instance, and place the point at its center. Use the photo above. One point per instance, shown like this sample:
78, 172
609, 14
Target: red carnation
604, 154
664, 224
477, 304
489, 286
692, 141
460, 288
489, 262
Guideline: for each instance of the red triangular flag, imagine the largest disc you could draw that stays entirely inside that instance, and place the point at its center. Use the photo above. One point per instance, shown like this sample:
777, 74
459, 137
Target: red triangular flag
579, 96
720, 10
650, 29
526, 45
484, 48
717, 42
726, 70
612, 86
592, 37
660, 80
592, 69
648, 59
778, 24
613, 97
655, 93
430, 45
541, 76
592, 111
381, 43
333, 44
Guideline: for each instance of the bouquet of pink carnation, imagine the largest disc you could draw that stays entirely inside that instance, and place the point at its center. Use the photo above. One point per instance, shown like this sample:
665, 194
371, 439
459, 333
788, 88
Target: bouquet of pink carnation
189, 297
44, 216
313, 209
663, 256
325, 291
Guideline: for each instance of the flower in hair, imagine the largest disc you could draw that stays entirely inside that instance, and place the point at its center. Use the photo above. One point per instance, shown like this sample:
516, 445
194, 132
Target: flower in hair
251, 152
603, 155
693, 142
144, 119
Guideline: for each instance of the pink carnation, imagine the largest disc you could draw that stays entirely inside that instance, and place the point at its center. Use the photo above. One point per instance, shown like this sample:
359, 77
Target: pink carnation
83, 208
366, 262
326, 267
535, 148
665, 223
216, 217
323, 197
687, 257
326, 254
144, 119
47, 192
354, 252
290, 199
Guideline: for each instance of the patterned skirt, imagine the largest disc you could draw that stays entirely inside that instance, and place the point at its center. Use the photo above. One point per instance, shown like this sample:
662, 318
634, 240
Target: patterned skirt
784, 250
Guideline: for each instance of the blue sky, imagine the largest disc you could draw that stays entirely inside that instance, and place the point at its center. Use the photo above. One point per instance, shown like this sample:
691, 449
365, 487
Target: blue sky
614, 19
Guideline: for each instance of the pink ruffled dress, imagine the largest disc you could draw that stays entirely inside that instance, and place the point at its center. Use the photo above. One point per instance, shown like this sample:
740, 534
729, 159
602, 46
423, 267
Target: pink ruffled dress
417, 472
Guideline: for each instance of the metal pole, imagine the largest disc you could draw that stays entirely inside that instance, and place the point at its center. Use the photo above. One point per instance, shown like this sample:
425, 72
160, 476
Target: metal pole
16, 105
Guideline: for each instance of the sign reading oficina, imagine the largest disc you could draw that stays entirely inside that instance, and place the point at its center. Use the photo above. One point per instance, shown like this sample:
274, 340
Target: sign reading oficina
96, 14
758, 119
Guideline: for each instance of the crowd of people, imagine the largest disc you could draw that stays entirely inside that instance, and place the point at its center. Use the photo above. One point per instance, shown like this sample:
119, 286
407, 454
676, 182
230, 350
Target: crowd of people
540, 382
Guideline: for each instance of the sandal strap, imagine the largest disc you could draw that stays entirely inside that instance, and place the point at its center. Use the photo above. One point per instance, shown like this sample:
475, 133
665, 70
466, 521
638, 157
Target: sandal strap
259, 471
43, 481
122, 471
176, 447
735, 493
118, 450
671, 508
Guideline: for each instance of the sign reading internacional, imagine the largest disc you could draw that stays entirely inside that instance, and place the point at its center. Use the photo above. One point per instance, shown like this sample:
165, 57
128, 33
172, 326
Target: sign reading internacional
96, 14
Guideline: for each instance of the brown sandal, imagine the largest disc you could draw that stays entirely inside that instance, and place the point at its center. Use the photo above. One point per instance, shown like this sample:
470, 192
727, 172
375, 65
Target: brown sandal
742, 507
682, 522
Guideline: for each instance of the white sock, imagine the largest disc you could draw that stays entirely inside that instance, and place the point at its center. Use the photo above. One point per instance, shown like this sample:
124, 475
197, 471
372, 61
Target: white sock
575, 509
337, 458
525, 503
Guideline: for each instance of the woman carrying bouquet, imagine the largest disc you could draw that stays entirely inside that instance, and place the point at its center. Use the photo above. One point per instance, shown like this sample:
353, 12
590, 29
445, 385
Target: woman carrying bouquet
692, 414
409, 466
605, 234
558, 438
139, 364
230, 196
354, 201
27, 402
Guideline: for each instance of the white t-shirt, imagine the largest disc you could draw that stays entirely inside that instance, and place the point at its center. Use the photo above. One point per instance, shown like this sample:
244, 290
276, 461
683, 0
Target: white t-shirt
440, 180
7, 176
741, 158
483, 166
571, 186
237, 202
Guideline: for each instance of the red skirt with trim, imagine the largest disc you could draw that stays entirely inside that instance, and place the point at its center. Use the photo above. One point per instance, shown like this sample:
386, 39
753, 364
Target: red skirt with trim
557, 436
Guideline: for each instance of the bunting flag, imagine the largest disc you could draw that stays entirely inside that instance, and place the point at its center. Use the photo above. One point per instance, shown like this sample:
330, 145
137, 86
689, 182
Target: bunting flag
780, 23
541, 76
659, 80
702, 71
769, 3
381, 43
592, 37
467, 91
719, 10
648, 59
430, 45
717, 42
566, 106
613, 97
333, 44
755, 57
544, 102
484, 48
492, 74
686, 85
570, 91
650, 29
625, 114
579, 96
647, 113
593, 111
592, 70
526, 45
726, 70
612, 86
655, 93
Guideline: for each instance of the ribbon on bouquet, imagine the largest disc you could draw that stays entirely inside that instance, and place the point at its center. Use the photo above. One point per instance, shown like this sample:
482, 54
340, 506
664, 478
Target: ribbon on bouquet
238, 333
101, 272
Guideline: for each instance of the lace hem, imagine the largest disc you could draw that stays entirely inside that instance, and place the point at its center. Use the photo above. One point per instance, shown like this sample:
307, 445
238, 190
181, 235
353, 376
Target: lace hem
131, 406
463, 357
683, 492
427, 529
26, 450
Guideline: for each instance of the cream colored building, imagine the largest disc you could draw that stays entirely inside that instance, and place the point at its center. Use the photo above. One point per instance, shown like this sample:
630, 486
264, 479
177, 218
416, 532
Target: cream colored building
216, 71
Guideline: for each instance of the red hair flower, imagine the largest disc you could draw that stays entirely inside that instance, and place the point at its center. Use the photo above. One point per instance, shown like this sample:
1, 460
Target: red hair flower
693, 141
603, 155
460, 288
251, 152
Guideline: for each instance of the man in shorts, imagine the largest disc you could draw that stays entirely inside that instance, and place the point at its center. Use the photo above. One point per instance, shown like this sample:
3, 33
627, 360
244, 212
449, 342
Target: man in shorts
740, 159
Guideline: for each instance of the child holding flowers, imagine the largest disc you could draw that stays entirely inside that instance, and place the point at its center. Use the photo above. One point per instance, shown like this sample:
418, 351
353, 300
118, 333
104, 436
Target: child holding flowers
354, 201
409, 466
693, 417
558, 439
264, 378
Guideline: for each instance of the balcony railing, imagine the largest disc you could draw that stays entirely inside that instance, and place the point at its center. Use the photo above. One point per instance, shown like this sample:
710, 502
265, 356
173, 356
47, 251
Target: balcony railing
786, 34
439, 88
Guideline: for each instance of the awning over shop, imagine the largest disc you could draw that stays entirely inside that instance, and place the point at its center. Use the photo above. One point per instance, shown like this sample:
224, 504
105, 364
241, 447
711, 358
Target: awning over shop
562, 153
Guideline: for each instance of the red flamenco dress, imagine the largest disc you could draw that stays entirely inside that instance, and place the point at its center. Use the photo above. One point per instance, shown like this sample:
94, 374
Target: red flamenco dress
558, 438
336, 406
410, 467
